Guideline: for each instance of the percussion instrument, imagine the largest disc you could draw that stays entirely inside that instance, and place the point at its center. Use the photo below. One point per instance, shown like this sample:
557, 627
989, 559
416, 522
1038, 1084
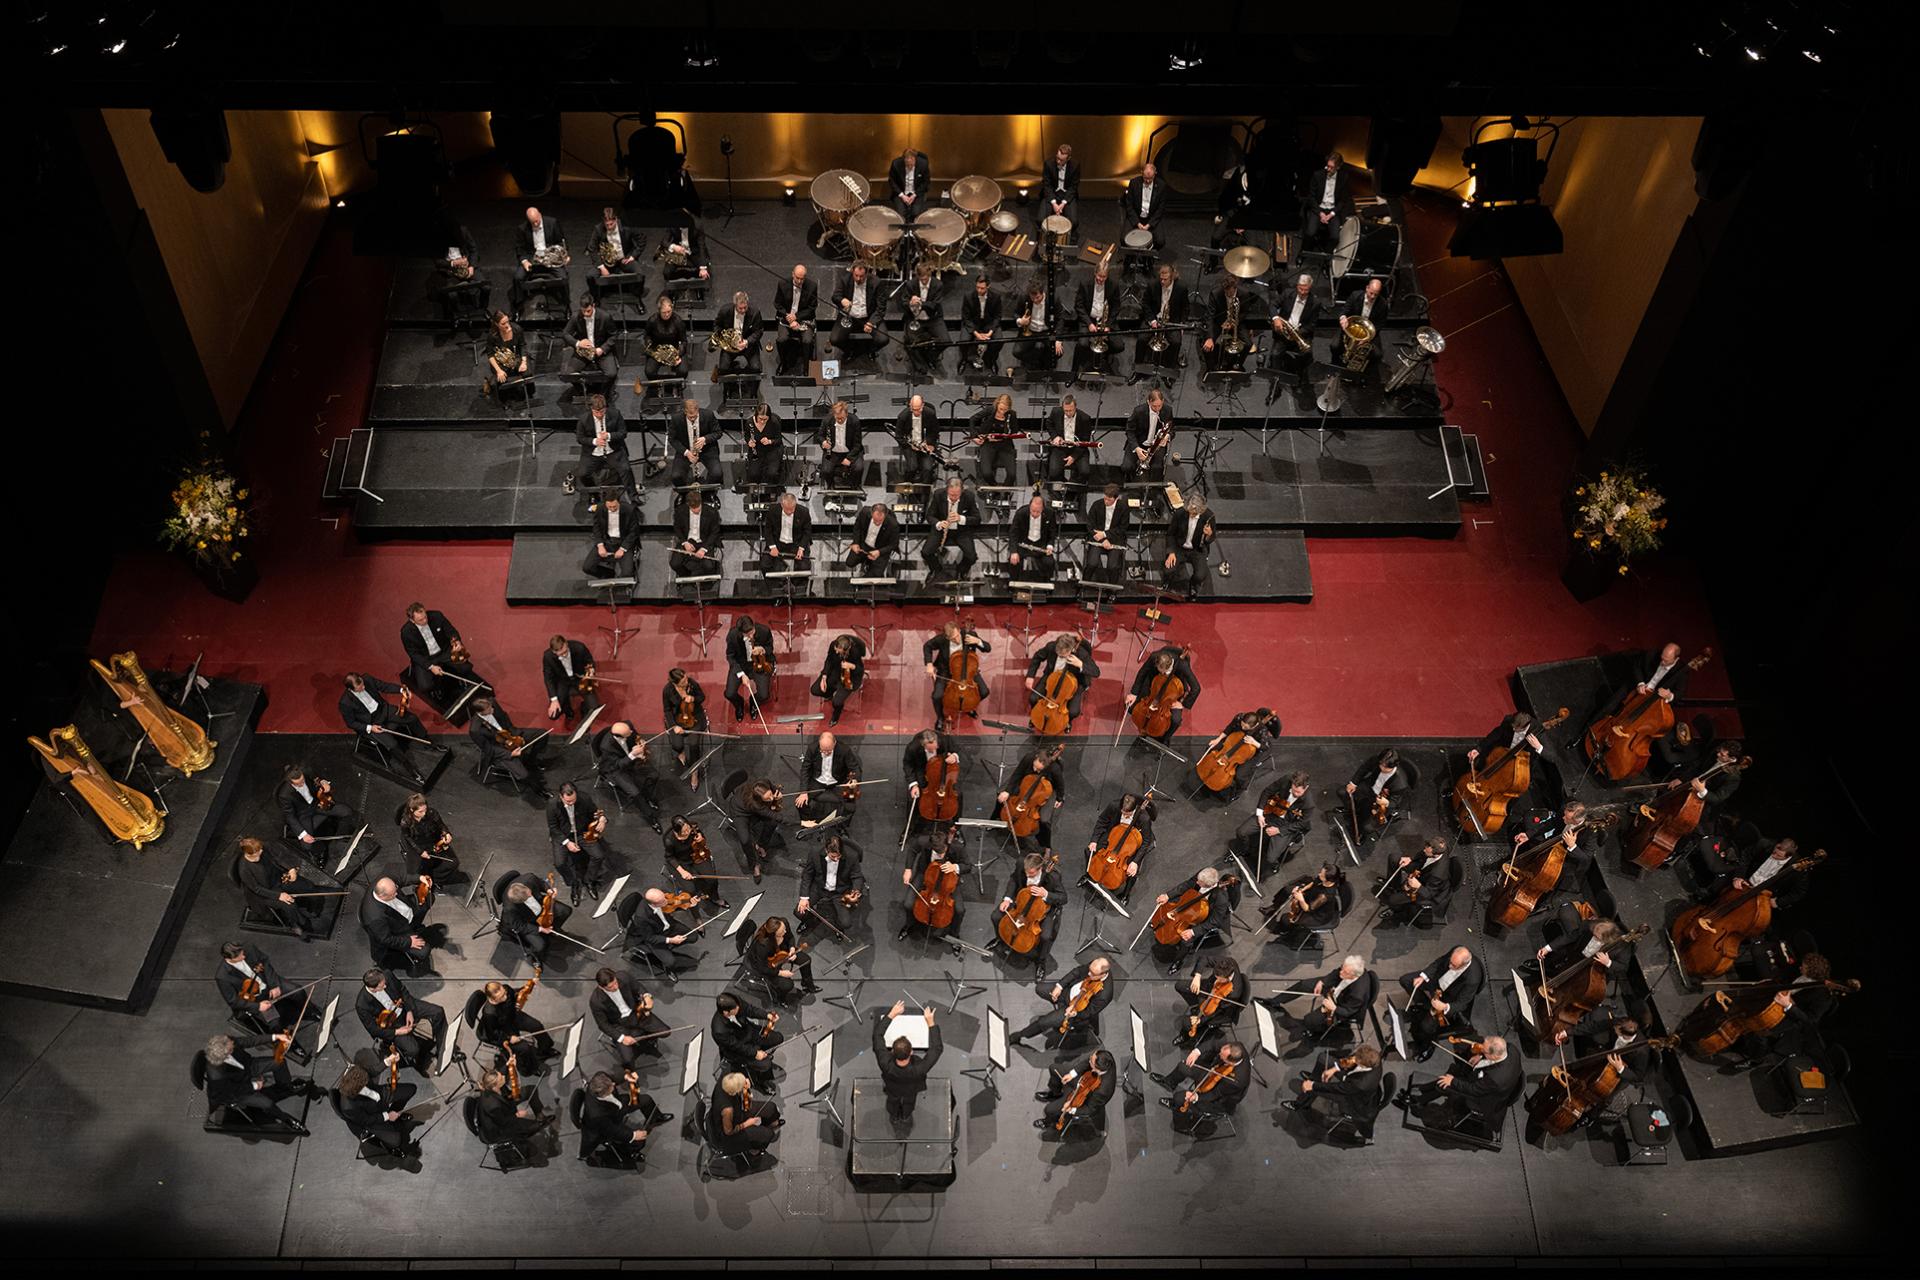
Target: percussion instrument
874, 230
978, 199
1054, 229
1245, 262
1001, 229
943, 233
836, 194
1139, 240
1366, 248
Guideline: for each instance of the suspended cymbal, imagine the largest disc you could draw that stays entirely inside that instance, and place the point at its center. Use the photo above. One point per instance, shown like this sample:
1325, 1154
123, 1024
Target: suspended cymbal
1246, 262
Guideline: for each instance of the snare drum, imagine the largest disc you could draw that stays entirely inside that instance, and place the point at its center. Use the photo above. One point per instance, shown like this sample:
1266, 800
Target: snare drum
978, 199
943, 233
874, 230
836, 194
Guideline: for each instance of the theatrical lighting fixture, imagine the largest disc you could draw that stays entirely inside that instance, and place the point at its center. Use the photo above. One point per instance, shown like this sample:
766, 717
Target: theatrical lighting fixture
194, 139
402, 214
654, 163
788, 196
1753, 54
700, 55
1398, 147
529, 142
1503, 216
1188, 55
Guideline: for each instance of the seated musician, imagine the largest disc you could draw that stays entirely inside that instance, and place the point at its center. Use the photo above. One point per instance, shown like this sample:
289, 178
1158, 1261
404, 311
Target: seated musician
696, 538
427, 842
980, 318
612, 249
1094, 304
795, 303
917, 432
1150, 420
1328, 199
1224, 897
1107, 519
766, 445
582, 862
1210, 1082
736, 1130
682, 253
653, 932
620, 758
400, 1021
241, 1073
756, 808
501, 1022
1484, 1086
1655, 671
1039, 317
745, 1038
842, 673
1067, 434
1310, 903
828, 879
371, 1105
1190, 534
564, 664
1339, 1086
873, 543
429, 640
1364, 303
396, 922
1033, 536
1038, 764
1145, 204
624, 1015
937, 653
1806, 1008
666, 341
1060, 187
1453, 981
1032, 873
683, 715
250, 970
1282, 819
842, 455
908, 183
941, 844
1082, 1028
1290, 348
1168, 660
1340, 998
616, 542
1766, 864
502, 1119
602, 433
794, 971
1232, 315
1509, 735
828, 765
1383, 777
1614, 1033
1578, 938
1425, 880
683, 842
539, 236
1718, 789
739, 354
1066, 651
364, 709
929, 749
924, 322
1132, 812
786, 532
693, 446
1166, 310
749, 665
1199, 988
858, 302
618, 1115
1569, 826
520, 914
951, 515
491, 730
590, 351
459, 283
1684, 750
311, 808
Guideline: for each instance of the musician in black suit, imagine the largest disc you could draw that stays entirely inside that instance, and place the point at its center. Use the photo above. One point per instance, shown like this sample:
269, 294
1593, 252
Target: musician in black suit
1106, 522
590, 347
415, 1027
909, 183
693, 444
1190, 534
1245, 309
520, 914
311, 808
842, 454
373, 1105
683, 716
757, 825
1033, 542
980, 318
917, 432
241, 1073
1145, 204
1061, 1086
830, 873
502, 1119
696, 537
1484, 1085
923, 321
536, 233
860, 304
582, 862
1060, 995
765, 440
1067, 650
1575, 938
1094, 303
1339, 1086
786, 533
270, 1006
612, 249
602, 434
618, 1115
792, 971
616, 543
873, 542
1165, 310
563, 664
501, 1021
1067, 435
396, 922
1167, 660
1210, 1081
827, 764
620, 758
1309, 903
1569, 825
1295, 312
1611, 1031
276, 884
745, 321
364, 709
682, 252
749, 647
1419, 880
1198, 987
426, 842
1149, 420
1031, 873
945, 846
796, 304
624, 1015
1060, 187
929, 748
459, 283
665, 333
1038, 320
1452, 982
1766, 864
653, 931
745, 1038
1340, 998
1325, 201
842, 672
992, 457
428, 638
903, 1074
937, 655
1382, 776
484, 730
1281, 819
1368, 303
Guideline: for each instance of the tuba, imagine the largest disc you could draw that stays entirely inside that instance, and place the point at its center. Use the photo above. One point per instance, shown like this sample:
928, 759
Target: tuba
1357, 343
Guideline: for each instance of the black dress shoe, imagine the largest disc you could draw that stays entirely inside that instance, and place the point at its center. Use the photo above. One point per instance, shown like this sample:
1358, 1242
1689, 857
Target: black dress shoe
665, 1117
1164, 1081
1041, 1123
1167, 1103
1045, 1095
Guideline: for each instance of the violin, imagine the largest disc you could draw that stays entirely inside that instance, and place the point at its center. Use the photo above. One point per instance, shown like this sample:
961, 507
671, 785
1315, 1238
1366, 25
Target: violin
1571, 1094
520, 996
682, 900
686, 717
457, 653
1083, 1089
1049, 716
1526, 880
697, 848
1107, 865
1188, 911
1718, 1022
545, 918
1578, 990
1222, 989
250, 990
940, 791
596, 828
960, 696
1483, 792
406, 699
387, 1017
1296, 904
1670, 819
509, 739
588, 683
1707, 939
513, 1077
1153, 714
633, 1088
1089, 988
780, 957
423, 890
393, 1075
933, 900
1622, 742
1219, 765
1029, 799
323, 795
1214, 1076
761, 660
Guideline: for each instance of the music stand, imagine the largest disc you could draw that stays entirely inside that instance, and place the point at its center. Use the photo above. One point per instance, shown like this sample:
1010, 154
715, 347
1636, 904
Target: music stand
697, 582
1097, 890
997, 1059
1268, 1032
1223, 387
785, 577
874, 627
611, 586
1023, 594
1098, 604
844, 965
820, 1080
1137, 1042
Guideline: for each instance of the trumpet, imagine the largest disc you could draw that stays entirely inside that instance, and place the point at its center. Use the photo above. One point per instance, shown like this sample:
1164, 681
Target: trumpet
1285, 328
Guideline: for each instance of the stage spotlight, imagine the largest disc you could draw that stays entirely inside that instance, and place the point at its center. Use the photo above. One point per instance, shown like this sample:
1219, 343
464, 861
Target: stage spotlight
194, 140
1502, 216
529, 141
700, 55
1398, 147
401, 214
1188, 55
654, 162
789, 196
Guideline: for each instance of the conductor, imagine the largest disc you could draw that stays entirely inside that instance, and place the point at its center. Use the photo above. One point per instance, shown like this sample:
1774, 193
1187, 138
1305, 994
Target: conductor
903, 1075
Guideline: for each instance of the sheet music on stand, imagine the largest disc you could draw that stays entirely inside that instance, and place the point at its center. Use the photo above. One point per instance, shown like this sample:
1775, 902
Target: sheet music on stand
690, 1062
612, 894
1521, 998
1269, 1034
820, 1078
347, 857
740, 917
1138, 1028
997, 1038
1399, 1030
326, 1026
447, 1049
586, 724
570, 1059
913, 1027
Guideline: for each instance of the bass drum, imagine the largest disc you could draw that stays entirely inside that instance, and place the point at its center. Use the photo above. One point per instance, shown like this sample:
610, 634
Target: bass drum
875, 232
943, 233
1366, 248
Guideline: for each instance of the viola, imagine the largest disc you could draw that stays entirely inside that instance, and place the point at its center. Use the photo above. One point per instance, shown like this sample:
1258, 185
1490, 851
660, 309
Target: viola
1107, 865
1525, 880
323, 795
682, 900
1707, 939
1296, 902
686, 717
1020, 927
1214, 1076
520, 996
1219, 765
250, 990
1153, 714
1089, 988
387, 1017
588, 683
1083, 1089
1578, 990
1049, 716
545, 918
1222, 989
762, 661
633, 1088
933, 900
780, 957
960, 696
1187, 911
393, 1075
1669, 820
697, 848
457, 653
1483, 793
513, 1077
596, 828
406, 699
1718, 1022
509, 739
1572, 1094
1622, 742
940, 790
423, 890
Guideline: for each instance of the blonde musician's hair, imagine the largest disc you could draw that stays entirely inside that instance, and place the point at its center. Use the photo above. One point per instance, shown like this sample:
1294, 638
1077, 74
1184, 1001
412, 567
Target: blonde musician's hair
733, 1084
491, 1081
1003, 401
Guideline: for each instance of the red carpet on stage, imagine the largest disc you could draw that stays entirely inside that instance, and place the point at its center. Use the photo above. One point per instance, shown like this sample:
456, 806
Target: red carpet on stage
1405, 636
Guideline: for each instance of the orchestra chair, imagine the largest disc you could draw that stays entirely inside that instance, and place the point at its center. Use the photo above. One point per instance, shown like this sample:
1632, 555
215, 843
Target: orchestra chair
254, 918
484, 771
507, 1154
1349, 1129
600, 1155
470, 1014
1833, 1062
713, 1162
1643, 1144
1223, 1126
382, 1149
1080, 1126
1471, 1128
624, 911
239, 1120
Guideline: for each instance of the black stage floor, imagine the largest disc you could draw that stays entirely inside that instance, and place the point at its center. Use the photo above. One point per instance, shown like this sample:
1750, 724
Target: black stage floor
105, 1129
63, 859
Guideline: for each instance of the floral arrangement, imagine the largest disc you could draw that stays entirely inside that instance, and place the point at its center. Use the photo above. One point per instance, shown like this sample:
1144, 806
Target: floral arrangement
1618, 515
209, 517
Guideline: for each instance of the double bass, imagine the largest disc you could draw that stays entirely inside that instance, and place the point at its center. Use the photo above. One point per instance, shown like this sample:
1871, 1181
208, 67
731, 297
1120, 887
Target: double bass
1570, 1095
933, 897
1577, 990
1153, 714
1488, 787
1707, 939
1669, 820
940, 791
1718, 1022
960, 695
1219, 766
1107, 865
1021, 926
1526, 879
1622, 742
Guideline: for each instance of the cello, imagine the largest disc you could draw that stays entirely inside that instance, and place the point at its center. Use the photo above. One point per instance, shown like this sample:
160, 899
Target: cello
1029, 798
1153, 714
1021, 926
1488, 787
1190, 910
960, 695
1577, 990
1526, 880
1718, 1022
1622, 742
1107, 865
940, 790
1707, 939
1671, 819
1219, 765
933, 897
1570, 1095
1050, 717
